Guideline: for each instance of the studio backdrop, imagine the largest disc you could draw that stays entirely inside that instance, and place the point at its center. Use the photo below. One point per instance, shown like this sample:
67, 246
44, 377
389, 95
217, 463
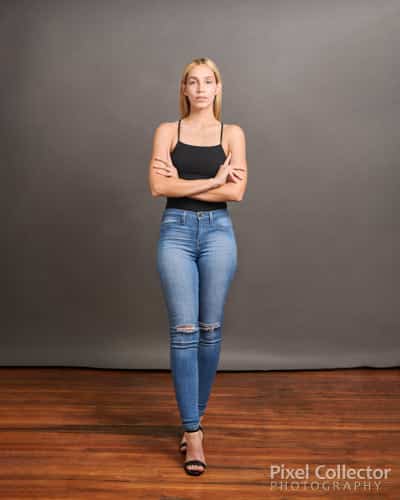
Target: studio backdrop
315, 87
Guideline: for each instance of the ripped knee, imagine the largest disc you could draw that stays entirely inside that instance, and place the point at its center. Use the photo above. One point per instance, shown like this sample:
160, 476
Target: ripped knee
186, 328
210, 333
209, 327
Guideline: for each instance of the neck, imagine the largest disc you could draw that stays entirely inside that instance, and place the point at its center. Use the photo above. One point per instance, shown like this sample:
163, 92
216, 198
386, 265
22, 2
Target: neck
201, 117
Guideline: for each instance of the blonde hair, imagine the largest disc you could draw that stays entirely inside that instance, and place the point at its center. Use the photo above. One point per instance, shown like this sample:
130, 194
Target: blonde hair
184, 104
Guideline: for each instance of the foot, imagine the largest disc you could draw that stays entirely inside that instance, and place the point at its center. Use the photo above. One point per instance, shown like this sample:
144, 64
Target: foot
194, 450
183, 440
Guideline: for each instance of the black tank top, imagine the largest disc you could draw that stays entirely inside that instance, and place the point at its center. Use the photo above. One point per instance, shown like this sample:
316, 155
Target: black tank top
196, 162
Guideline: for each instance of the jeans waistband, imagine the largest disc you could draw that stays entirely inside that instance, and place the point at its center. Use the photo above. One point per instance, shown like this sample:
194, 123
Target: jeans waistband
197, 215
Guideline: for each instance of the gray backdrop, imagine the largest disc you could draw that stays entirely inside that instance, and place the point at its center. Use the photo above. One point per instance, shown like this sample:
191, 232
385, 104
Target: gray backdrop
315, 87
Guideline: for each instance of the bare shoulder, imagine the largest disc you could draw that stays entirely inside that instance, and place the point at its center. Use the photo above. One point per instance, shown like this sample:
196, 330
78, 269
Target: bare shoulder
165, 132
235, 135
234, 130
166, 127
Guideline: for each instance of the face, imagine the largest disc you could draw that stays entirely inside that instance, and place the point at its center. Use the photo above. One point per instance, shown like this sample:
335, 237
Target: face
201, 87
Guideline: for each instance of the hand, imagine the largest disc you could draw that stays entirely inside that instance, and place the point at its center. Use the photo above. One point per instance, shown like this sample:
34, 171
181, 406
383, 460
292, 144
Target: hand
228, 172
223, 171
166, 168
233, 174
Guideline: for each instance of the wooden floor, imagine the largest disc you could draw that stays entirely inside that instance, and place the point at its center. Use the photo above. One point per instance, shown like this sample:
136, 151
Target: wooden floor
69, 433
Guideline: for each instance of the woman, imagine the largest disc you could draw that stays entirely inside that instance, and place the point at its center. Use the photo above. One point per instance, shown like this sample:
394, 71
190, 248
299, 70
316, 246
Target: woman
197, 252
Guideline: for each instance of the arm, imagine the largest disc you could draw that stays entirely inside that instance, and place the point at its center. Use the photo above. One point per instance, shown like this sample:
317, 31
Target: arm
226, 192
160, 185
175, 187
231, 191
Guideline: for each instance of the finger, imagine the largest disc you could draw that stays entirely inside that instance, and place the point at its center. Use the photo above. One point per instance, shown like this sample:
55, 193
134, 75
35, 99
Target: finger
234, 172
228, 158
161, 167
159, 159
162, 170
235, 175
231, 177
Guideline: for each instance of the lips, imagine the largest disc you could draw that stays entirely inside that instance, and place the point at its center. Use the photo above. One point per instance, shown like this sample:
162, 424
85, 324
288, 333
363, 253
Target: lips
201, 98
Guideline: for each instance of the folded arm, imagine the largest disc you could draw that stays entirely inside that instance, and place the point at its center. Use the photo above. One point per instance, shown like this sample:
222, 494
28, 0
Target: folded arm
226, 192
201, 189
161, 185
231, 191
175, 187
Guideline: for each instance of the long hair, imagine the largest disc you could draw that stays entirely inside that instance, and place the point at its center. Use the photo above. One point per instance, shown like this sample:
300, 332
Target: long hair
184, 103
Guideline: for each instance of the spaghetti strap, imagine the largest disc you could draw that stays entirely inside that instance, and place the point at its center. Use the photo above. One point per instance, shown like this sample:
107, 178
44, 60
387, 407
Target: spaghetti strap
179, 128
222, 126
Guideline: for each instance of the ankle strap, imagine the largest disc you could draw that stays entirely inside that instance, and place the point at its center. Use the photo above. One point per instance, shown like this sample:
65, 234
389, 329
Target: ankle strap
199, 428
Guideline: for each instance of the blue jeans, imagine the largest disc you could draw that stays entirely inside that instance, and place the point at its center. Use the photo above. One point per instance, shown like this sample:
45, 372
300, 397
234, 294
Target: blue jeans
196, 262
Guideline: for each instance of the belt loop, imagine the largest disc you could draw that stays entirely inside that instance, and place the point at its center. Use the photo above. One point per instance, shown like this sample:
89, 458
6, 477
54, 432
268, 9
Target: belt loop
211, 216
184, 217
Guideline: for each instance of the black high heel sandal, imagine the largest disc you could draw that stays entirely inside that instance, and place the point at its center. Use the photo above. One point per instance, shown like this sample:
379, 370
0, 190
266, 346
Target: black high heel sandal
182, 446
194, 472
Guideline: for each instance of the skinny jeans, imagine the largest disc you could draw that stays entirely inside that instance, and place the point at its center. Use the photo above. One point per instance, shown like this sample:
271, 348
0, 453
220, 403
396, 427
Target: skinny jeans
196, 262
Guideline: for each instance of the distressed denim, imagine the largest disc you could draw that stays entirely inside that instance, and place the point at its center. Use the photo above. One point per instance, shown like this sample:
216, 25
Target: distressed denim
196, 262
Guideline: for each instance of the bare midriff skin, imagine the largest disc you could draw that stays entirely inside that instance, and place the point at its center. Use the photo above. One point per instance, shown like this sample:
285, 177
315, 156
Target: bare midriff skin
194, 448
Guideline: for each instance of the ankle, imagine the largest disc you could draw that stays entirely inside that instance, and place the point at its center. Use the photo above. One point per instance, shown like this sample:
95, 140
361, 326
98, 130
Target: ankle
194, 431
193, 435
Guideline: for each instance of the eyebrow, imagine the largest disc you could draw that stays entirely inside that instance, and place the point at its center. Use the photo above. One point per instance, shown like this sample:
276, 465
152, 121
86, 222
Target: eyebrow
195, 77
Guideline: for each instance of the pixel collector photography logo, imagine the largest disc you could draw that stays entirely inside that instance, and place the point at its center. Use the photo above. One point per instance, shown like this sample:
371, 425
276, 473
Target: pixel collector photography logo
327, 478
